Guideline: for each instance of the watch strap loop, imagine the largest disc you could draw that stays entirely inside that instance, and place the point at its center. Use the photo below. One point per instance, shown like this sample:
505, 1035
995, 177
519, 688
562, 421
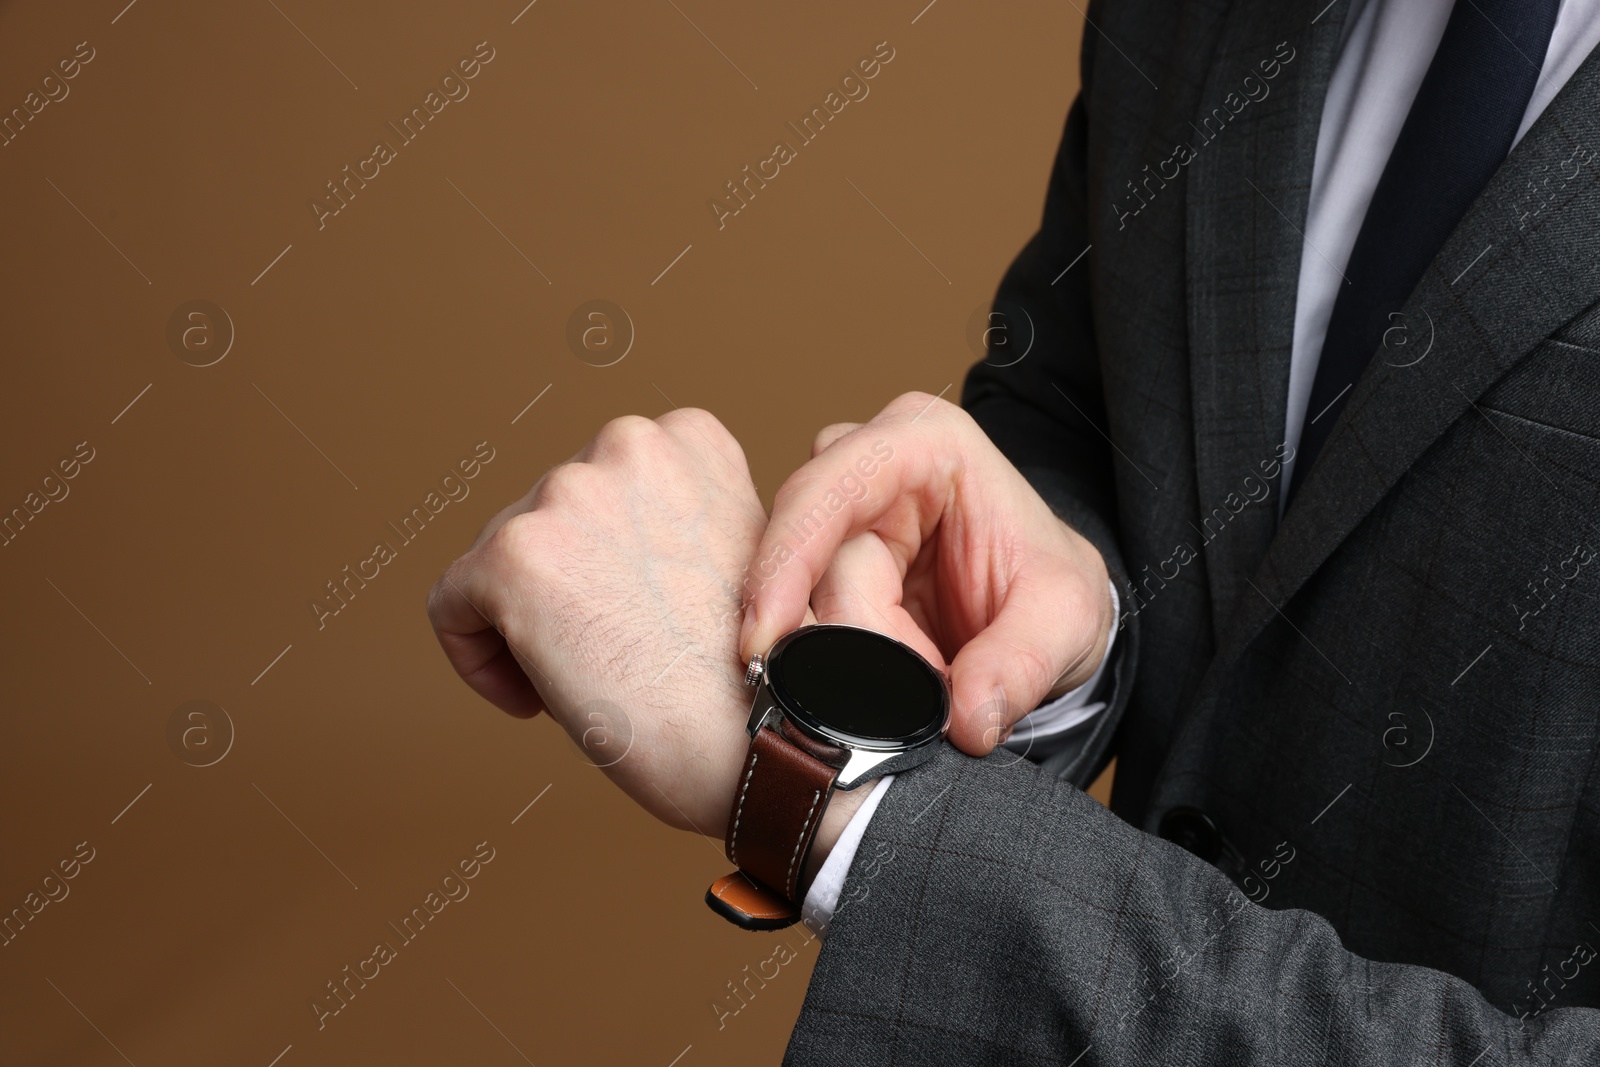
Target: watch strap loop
749, 904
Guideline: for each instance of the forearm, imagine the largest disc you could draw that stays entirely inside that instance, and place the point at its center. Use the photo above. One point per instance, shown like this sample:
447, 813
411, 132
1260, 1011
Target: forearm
993, 911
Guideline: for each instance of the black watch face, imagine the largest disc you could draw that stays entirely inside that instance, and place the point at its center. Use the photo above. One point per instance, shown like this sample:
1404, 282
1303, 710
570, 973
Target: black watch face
858, 686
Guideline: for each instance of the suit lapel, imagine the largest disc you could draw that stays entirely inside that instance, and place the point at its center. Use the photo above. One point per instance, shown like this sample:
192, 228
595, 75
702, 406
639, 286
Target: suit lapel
1246, 194
1524, 260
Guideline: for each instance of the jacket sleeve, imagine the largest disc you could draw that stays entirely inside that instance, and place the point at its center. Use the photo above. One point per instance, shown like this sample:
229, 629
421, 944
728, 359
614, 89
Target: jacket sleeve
1039, 398
995, 914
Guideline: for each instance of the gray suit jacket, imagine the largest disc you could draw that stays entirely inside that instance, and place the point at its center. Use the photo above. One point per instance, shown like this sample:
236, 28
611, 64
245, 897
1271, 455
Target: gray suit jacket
1373, 727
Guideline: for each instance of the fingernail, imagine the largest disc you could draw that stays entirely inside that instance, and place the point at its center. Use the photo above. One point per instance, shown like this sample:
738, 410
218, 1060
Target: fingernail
748, 627
999, 713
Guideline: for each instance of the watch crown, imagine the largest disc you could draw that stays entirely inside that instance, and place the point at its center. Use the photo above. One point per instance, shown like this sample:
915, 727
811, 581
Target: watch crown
758, 666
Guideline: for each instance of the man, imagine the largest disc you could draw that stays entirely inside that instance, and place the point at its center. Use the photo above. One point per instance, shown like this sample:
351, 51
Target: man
1323, 404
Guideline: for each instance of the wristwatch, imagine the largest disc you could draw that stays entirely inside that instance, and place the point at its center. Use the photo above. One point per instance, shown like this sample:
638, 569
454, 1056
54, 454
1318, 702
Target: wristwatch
835, 706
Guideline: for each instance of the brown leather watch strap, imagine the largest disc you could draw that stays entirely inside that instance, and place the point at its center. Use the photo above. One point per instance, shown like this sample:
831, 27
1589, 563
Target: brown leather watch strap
783, 789
745, 902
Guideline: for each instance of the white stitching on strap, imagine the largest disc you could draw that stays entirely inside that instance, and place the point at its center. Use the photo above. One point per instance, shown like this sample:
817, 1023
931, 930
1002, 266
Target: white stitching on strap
788, 879
733, 838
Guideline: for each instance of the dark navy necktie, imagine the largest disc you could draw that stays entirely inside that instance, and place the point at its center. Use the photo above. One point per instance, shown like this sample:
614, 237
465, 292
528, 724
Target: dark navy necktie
1458, 131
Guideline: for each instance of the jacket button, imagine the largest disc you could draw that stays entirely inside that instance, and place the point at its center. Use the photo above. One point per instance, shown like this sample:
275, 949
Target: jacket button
1192, 829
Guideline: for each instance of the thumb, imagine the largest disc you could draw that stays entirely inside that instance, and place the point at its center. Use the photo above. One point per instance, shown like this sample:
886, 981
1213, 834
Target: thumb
829, 434
1050, 628
482, 655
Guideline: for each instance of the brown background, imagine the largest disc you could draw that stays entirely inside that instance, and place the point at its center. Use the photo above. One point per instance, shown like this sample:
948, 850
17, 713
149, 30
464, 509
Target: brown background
397, 337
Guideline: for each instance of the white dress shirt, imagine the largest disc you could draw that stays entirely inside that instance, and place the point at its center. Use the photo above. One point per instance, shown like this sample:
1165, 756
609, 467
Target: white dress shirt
1388, 45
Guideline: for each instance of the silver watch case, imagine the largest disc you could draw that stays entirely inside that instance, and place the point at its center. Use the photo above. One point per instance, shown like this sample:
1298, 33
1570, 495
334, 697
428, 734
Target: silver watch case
865, 759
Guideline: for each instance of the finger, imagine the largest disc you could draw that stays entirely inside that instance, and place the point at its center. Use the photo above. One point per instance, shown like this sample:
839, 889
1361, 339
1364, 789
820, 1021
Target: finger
478, 651
864, 587
1051, 627
891, 476
829, 434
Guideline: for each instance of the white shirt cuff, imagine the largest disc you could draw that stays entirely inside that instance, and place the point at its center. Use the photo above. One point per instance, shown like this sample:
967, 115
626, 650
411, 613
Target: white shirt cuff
1032, 734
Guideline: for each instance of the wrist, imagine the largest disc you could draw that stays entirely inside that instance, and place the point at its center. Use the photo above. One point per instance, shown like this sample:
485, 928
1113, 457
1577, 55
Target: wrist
835, 706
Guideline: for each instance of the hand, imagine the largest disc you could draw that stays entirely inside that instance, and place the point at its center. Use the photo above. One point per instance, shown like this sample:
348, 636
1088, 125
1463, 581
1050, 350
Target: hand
914, 524
607, 596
